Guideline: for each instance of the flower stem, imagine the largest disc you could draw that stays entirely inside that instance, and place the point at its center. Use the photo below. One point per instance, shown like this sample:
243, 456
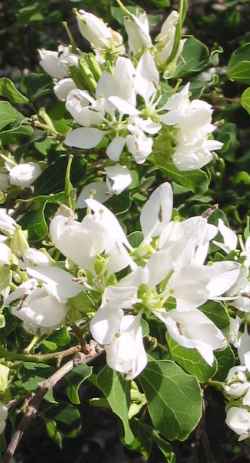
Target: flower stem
32, 344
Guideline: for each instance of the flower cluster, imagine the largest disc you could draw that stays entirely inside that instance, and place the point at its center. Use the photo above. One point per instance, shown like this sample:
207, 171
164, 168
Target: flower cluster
166, 277
119, 101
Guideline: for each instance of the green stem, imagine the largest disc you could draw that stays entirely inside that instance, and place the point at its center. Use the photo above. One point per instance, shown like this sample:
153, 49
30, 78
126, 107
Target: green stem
183, 5
15, 356
32, 344
70, 36
123, 8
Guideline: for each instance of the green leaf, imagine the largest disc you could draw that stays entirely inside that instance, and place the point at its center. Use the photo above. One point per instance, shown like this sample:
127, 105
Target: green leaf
68, 414
74, 379
194, 58
8, 114
69, 189
217, 313
245, 100
116, 390
225, 360
239, 64
53, 432
34, 220
9, 90
164, 447
174, 399
191, 361
50, 182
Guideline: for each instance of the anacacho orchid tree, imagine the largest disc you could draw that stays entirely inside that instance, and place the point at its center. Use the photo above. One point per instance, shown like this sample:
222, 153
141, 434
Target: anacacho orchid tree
155, 288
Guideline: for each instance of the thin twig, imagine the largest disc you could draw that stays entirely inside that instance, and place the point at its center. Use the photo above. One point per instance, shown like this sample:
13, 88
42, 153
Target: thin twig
15, 356
33, 402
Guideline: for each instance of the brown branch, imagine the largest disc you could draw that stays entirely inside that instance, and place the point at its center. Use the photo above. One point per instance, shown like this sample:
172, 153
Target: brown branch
34, 401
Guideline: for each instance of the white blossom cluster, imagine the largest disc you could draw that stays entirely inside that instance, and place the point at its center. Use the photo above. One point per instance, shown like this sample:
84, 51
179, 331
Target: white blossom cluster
21, 175
121, 108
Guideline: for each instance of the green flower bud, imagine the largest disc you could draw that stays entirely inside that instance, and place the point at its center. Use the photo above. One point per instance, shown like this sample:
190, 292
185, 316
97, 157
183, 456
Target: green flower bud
18, 243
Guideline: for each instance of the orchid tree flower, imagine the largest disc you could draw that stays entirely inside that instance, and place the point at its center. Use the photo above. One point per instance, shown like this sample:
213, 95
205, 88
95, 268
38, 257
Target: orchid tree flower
229, 238
82, 242
165, 40
57, 63
126, 352
194, 121
7, 224
193, 330
99, 35
118, 178
137, 28
24, 174
5, 251
236, 382
238, 419
43, 308
63, 87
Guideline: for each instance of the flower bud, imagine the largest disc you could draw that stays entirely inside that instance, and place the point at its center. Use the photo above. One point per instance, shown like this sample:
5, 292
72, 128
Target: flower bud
236, 384
4, 374
23, 175
95, 30
56, 63
18, 243
137, 27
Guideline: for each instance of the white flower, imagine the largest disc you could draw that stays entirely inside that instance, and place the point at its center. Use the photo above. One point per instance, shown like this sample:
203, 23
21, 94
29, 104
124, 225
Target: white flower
84, 108
139, 145
56, 63
82, 242
157, 211
229, 238
236, 383
195, 155
33, 256
41, 310
240, 292
165, 40
57, 281
193, 330
23, 175
238, 419
137, 27
7, 224
96, 190
194, 121
99, 35
63, 87
120, 83
126, 352
118, 178
3, 417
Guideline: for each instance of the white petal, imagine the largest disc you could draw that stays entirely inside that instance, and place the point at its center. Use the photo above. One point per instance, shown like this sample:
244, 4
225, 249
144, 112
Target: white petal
156, 212
58, 282
118, 178
96, 190
123, 106
63, 87
85, 138
106, 323
115, 148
